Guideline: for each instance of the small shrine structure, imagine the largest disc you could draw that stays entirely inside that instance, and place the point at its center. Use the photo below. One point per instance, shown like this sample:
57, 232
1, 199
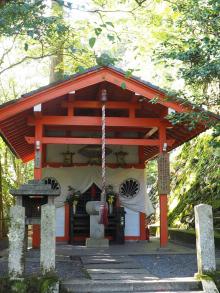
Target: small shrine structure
59, 126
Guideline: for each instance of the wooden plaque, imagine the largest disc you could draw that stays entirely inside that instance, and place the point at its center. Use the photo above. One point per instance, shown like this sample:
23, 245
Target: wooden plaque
163, 173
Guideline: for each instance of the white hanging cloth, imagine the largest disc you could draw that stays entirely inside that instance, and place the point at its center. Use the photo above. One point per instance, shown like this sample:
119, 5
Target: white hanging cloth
81, 178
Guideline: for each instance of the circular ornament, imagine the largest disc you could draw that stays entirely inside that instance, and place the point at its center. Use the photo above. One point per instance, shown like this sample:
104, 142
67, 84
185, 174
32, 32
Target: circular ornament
129, 188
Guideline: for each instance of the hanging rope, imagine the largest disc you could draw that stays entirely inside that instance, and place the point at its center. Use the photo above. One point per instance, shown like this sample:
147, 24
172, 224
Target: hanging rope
103, 195
103, 206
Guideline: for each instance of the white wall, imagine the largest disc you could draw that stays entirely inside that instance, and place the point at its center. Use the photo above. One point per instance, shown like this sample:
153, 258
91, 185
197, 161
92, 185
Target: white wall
132, 223
60, 221
82, 177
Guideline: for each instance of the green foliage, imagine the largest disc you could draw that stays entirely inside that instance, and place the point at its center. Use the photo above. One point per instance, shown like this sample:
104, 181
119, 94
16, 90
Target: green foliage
14, 173
215, 276
92, 42
105, 59
25, 25
31, 284
195, 47
123, 85
190, 119
195, 179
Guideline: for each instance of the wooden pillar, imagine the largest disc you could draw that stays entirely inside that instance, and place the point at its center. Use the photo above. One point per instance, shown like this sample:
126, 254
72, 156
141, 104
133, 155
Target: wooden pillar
37, 175
163, 186
142, 215
163, 221
142, 226
67, 223
141, 155
38, 150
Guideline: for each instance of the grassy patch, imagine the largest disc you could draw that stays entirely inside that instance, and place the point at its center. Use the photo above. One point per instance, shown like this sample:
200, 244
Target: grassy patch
32, 284
215, 276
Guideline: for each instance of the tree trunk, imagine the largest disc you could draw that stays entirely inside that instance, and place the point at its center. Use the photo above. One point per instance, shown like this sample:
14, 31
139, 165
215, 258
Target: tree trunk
56, 62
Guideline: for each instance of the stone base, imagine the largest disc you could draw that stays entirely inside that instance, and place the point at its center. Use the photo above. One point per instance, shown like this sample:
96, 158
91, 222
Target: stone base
97, 242
164, 249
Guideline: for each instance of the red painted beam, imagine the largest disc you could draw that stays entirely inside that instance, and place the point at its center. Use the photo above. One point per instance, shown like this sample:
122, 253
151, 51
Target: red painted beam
97, 121
93, 128
97, 105
109, 141
110, 165
27, 158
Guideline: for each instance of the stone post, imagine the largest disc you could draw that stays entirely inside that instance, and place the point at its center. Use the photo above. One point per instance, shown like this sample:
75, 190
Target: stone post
205, 239
97, 231
48, 238
16, 242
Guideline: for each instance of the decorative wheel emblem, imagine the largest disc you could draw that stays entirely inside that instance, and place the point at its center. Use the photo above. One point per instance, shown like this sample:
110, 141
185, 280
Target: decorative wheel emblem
129, 188
53, 182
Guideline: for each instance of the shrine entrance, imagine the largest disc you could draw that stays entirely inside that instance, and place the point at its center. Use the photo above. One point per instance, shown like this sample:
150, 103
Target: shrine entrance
80, 220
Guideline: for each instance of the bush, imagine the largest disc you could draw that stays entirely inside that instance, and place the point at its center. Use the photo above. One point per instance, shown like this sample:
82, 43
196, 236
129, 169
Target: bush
32, 284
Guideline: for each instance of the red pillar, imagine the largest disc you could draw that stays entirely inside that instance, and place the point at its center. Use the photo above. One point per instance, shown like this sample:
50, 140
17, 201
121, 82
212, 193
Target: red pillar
142, 215
37, 176
67, 222
163, 221
142, 226
36, 236
163, 197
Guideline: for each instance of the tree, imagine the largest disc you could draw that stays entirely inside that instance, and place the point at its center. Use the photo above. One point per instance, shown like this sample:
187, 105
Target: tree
56, 61
195, 46
28, 33
195, 179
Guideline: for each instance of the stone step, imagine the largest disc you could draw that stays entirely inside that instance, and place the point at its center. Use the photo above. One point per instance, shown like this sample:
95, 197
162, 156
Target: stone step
97, 256
124, 265
106, 259
177, 284
108, 276
117, 271
152, 292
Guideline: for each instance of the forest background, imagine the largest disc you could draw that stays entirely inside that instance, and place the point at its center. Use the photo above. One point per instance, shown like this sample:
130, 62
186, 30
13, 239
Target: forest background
173, 44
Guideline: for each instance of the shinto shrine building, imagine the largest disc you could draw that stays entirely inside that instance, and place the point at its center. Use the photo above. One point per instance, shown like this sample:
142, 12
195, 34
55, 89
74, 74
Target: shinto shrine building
60, 127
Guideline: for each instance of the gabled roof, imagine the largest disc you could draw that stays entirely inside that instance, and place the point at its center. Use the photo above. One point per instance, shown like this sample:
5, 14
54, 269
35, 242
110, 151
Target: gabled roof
71, 83
73, 76
13, 114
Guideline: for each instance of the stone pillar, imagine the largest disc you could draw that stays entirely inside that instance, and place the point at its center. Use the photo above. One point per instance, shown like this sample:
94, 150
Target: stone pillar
16, 242
205, 239
97, 231
48, 238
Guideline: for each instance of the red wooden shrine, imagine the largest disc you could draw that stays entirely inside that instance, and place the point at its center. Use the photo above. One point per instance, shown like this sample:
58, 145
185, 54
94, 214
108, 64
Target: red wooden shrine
73, 105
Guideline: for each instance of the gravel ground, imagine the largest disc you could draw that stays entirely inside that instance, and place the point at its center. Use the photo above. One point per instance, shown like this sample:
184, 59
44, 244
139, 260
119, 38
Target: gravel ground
66, 267
162, 266
169, 266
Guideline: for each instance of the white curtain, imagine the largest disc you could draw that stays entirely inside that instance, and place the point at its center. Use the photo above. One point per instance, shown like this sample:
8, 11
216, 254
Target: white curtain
81, 178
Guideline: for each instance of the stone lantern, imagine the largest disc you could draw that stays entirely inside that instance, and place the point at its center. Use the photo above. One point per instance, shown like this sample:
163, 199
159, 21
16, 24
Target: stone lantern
34, 205
32, 196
